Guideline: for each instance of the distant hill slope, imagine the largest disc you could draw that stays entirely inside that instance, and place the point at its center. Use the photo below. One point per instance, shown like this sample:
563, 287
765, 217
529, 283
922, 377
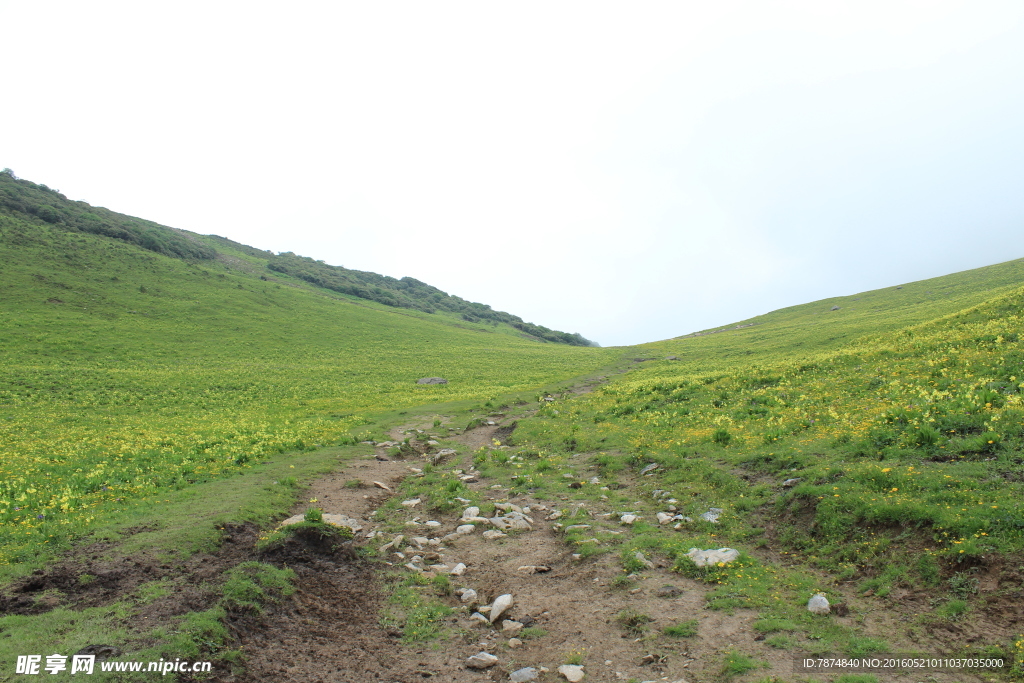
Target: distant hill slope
832, 323
37, 203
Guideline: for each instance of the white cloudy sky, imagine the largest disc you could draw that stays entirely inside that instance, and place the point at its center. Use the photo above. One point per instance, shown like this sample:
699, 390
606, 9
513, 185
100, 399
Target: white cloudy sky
631, 171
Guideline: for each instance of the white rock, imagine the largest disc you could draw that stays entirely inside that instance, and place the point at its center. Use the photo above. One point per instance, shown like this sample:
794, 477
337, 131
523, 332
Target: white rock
471, 512
411, 567
554, 515
626, 519
523, 675
492, 534
439, 567
382, 485
499, 606
710, 558
513, 643
434, 523
478, 618
420, 541
818, 604
643, 560
481, 660
459, 570
534, 569
595, 480
577, 527
463, 500
465, 529
509, 626
468, 595
664, 518
572, 672
411, 503
712, 515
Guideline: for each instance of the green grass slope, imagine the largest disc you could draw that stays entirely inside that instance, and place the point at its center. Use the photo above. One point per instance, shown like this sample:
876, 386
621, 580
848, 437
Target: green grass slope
812, 327
125, 372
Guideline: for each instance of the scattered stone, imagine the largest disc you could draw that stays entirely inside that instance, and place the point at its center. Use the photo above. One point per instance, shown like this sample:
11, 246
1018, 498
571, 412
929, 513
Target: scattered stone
471, 512
664, 518
445, 452
459, 570
572, 672
463, 529
411, 567
433, 523
478, 618
492, 534
671, 358
789, 483
432, 380
554, 515
712, 515
439, 567
834, 308
643, 560
649, 468
509, 626
818, 604
499, 606
525, 674
577, 527
481, 660
629, 518
595, 480
535, 569
712, 557
420, 541
467, 595
463, 500
431, 442
411, 503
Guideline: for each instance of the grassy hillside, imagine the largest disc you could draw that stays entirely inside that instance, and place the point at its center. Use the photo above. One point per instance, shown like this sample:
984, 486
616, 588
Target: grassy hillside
814, 327
126, 371
38, 204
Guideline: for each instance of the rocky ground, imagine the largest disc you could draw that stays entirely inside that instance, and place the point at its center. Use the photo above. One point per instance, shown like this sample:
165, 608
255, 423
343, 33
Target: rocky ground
568, 616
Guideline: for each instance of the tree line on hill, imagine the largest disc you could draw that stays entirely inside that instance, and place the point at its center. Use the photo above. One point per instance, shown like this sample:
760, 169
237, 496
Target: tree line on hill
20, 196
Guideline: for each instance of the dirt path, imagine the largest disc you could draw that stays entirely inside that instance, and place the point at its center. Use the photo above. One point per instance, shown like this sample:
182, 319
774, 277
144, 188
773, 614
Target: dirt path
576, 610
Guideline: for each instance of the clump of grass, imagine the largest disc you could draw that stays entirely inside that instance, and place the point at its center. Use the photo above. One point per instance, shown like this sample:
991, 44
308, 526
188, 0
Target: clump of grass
737, 664
531, 632
685, 629
780, 641
859, 646
953, 610
354, 484
963, 584
633, 622
251, 585
575, 656
622, 582
773, 624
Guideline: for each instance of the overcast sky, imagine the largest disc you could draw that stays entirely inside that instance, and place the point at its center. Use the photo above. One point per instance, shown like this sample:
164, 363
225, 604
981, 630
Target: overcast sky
630, 171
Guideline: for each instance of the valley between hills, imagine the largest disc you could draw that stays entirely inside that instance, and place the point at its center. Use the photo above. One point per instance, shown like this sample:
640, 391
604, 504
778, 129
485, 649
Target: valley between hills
169, 399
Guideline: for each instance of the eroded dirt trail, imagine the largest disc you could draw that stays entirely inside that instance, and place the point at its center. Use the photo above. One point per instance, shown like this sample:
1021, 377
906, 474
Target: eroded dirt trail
331, 629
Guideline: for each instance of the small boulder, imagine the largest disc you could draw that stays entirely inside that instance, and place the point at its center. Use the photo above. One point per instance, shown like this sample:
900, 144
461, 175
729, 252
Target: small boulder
481, 660
492, 534
432, 380
459, 570
471, 512
463, 529
500, 606
572, 672
713, 557
525, 674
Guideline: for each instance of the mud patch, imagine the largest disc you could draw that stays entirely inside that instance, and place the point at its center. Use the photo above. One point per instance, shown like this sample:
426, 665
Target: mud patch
78, 582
